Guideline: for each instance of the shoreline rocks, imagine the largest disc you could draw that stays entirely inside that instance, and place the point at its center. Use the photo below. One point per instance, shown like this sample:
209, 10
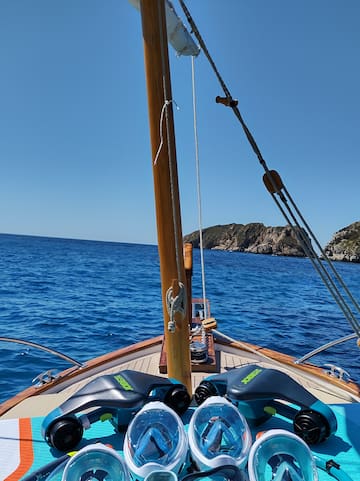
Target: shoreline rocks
345, 244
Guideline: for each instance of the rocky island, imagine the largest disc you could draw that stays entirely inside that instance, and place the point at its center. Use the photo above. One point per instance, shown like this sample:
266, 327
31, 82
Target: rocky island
282, 241
255, 238
345, 244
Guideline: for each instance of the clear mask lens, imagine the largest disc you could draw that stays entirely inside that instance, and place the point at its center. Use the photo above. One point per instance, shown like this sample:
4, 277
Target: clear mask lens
286, 471
217, 437
154, 442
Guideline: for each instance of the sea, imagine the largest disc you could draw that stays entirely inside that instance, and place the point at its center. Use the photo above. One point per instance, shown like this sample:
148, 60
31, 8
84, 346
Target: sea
84, 298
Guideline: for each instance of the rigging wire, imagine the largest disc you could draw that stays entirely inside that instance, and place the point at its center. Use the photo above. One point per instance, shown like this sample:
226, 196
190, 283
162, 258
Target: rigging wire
305, 240
275, 186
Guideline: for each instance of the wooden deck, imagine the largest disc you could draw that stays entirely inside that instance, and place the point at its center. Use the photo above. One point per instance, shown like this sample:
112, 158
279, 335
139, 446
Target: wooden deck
147, 358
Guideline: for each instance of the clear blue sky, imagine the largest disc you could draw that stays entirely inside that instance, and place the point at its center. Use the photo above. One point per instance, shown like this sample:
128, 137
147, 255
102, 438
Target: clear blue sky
74, 143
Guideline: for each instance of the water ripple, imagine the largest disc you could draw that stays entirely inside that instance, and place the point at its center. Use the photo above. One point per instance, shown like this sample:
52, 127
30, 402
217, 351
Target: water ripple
84, 298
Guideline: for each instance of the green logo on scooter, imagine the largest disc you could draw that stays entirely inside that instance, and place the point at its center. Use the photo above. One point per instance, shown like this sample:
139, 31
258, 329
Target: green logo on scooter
123, 383
251, 376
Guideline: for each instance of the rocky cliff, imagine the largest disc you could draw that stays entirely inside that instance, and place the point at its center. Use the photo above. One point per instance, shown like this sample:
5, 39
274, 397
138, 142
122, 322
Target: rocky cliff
345, 244
255, 238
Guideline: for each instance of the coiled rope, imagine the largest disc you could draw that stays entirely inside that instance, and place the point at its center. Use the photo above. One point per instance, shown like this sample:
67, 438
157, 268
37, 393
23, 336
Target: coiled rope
175, 305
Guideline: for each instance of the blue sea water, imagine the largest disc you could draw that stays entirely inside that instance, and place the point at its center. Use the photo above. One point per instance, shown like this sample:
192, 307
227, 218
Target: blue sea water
85, 298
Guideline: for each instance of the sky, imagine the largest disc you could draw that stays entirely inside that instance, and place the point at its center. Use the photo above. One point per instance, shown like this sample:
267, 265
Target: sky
74, 142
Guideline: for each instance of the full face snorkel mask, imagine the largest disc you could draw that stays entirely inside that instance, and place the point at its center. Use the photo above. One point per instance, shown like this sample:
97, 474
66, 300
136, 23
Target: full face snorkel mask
218, 435
279, 455
155, 441
95, 462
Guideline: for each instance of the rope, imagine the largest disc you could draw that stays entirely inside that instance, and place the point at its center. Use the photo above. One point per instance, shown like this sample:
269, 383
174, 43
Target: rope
304, 234
175, 305
197, 163
322, 271
166, 104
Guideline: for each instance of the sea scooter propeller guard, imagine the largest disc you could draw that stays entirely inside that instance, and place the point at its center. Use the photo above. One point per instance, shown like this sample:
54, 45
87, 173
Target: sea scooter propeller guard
120, 396
258, 392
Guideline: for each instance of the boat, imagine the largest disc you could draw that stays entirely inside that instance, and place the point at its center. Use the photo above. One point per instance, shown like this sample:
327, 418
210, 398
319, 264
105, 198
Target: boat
192, 362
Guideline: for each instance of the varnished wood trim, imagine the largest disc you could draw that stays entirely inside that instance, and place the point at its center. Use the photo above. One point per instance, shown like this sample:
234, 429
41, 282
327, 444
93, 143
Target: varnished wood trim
285, 359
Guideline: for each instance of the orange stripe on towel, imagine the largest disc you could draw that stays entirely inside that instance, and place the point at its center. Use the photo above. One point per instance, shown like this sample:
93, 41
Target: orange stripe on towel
26, 450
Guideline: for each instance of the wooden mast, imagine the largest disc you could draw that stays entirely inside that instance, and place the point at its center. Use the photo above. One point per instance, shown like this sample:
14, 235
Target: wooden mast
167, 202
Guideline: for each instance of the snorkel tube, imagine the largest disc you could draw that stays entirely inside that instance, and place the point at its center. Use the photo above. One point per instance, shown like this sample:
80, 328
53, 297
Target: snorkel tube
332, 468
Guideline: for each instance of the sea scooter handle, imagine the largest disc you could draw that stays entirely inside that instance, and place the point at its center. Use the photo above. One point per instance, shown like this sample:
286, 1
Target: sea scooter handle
257, 392
117, 397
